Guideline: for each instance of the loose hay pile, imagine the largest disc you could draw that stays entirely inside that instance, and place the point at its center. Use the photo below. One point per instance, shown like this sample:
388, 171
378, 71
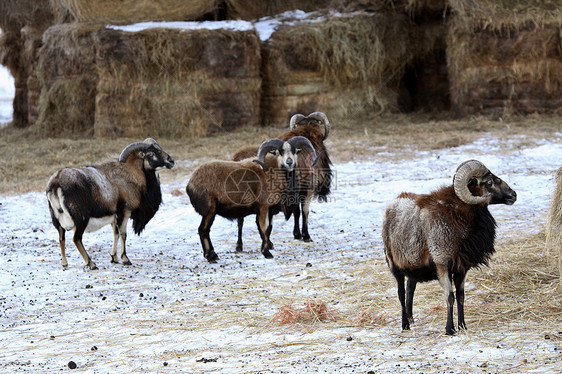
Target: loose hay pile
505, 57
308, 314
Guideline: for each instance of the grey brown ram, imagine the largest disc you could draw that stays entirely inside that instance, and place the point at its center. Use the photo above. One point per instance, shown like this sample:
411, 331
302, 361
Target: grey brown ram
236, 189
442, 235
90, 197
313, 182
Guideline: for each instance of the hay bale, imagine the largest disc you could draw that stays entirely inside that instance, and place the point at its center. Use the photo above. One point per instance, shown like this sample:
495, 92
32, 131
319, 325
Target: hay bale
505, 57
169, 82
554, 224
132, 11
251, 9
67, 79
337, 64
22, 23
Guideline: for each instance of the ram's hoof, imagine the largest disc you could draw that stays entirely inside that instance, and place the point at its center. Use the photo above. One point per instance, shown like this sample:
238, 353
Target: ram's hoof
212, 258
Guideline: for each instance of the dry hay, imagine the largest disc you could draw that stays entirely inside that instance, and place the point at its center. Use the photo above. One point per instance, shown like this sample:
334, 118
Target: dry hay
164, 82
67, 77
520, 288
554, 225
131, 11
340, 64
251, 9
306, 314
505, 57
22, 23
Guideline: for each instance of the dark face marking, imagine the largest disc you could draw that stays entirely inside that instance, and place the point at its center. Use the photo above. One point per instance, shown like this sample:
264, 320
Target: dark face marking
493, 186
157, 158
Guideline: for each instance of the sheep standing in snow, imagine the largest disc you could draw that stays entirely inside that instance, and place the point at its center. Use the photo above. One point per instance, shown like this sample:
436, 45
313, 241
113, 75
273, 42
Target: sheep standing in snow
313, 182
442, 235
90, 197
236, 189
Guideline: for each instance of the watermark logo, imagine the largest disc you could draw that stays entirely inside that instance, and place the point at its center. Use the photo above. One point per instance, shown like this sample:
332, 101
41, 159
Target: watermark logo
243, 186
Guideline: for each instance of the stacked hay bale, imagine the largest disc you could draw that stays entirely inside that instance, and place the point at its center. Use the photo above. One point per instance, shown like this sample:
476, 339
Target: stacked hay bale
168, 82
251, 10
22, 23
132, 11
554, 224
505, 57
339, 64
67, 79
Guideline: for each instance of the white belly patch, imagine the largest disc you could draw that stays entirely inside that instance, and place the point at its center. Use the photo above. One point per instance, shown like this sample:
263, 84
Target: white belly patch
94, 224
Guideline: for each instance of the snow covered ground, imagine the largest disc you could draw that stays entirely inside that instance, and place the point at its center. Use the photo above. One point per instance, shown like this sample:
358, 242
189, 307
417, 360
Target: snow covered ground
172, 312
7, 91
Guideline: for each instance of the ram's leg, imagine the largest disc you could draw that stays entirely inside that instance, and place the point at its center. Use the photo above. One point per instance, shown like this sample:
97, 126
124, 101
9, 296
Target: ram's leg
410, 289
239, 244
204, 234
459, 280
264, 226
62, 243
445, 282
268, 232
62, 239
113, 253
123, 234
401, 297
296, 227
78, 242
305, 211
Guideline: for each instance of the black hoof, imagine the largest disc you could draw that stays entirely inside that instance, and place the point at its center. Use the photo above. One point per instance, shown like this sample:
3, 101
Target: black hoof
267, 254
92, 266
239, 248
307, 240
127, 263
298, 236
212, 258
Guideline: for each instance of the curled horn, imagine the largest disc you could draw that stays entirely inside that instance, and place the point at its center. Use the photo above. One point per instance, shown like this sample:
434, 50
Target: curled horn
295, 120
321, 117
265, 148
133, 147
303, 143
465, 172
152, 141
